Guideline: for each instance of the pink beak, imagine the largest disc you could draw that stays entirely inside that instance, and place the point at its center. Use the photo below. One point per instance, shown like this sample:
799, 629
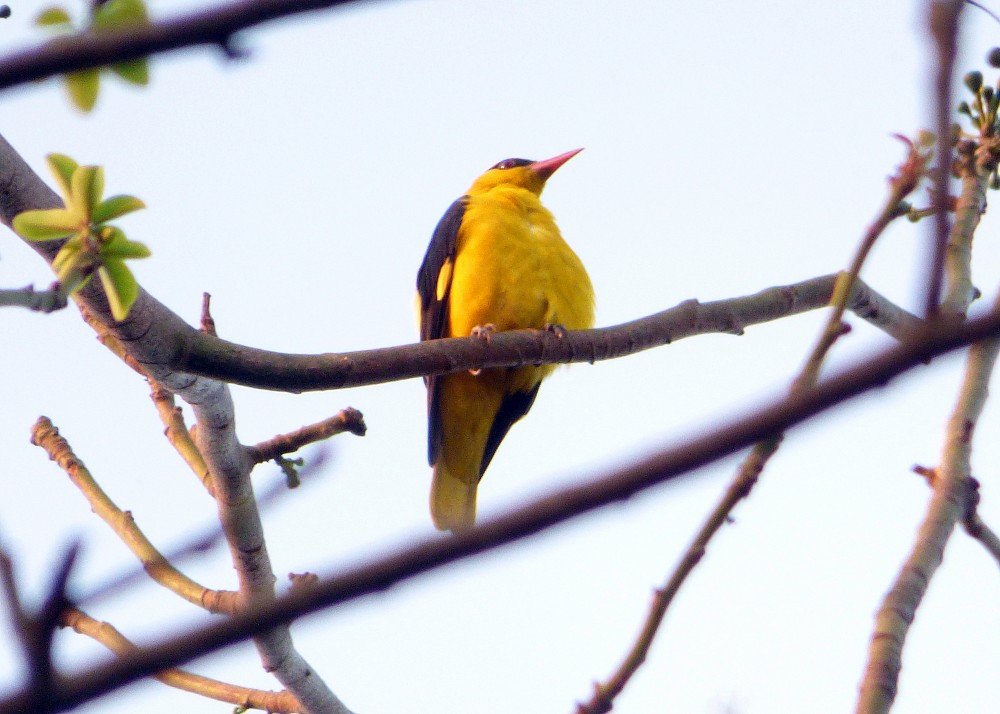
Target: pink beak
547, 167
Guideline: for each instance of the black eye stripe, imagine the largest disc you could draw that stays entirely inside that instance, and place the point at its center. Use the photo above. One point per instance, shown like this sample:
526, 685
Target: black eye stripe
511, 163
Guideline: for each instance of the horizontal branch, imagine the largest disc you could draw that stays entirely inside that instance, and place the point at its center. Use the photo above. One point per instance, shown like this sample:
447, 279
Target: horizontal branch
38, 300
172, 352
215, 26
738, 432
211, 357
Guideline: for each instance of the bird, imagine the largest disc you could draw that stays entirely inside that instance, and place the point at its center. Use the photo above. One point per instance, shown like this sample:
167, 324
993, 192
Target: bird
496, 261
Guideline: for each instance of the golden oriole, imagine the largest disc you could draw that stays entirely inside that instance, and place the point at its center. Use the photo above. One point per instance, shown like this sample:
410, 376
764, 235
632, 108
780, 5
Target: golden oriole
496, 261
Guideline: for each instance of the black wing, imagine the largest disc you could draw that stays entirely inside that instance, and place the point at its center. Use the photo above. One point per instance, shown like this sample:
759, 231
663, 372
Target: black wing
434, 310
513, 407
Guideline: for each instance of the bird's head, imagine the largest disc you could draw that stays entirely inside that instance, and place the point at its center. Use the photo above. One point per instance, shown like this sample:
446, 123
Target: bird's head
521, 173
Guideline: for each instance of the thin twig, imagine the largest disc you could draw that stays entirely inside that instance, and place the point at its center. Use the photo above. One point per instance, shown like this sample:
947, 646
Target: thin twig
971, 522
38, 300
105, 633
944, 18
901, 185
47, 436
349, 420
177, 432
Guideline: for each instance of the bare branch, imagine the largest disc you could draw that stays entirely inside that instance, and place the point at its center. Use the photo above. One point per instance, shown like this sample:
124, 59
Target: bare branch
165, 348
45, 435
215, 26
38, 300
349, 420
737, 432
971, 521
900, 186
943, 23
947, 506
35, 631
110, 637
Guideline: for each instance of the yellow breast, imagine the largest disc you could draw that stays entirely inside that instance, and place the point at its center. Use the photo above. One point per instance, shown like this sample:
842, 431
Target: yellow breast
513, 269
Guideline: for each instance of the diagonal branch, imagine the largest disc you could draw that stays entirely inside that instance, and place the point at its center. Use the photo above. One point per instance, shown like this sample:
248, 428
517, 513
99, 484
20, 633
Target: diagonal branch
110, 637
736, 433
947, 507
901, 185
46, 436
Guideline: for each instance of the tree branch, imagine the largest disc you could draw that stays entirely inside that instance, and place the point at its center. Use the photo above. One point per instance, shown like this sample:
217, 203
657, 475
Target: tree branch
943, 24
349, 420
948, 505
105, 633
735, 433
173, 353
46, 436
38, 300
215, 26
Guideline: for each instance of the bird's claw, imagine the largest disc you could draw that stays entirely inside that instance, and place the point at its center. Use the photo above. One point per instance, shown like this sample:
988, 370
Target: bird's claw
484, 333
559, 331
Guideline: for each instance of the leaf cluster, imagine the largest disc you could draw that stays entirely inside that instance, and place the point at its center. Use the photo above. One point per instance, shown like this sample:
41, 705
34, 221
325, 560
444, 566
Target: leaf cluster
93, 244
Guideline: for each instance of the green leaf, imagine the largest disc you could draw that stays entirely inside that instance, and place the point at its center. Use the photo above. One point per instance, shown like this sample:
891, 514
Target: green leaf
62, 167
115, 207
49, 224
119, 13
134, 71
86, 191
83, 87
67, 254
74, 266
53, 16
120, 287
73, 280
118, 247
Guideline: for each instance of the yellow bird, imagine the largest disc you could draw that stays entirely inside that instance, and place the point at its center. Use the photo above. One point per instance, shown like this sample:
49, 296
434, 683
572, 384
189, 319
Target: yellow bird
496, 261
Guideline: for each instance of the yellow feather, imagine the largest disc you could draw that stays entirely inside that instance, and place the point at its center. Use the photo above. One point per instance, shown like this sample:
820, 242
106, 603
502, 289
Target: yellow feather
511, 269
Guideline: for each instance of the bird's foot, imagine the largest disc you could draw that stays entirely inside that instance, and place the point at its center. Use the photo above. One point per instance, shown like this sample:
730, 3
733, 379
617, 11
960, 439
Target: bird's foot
484, 333
559, 331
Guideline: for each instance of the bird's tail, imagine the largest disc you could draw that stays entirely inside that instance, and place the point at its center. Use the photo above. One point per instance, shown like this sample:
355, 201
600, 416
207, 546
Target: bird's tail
453, 500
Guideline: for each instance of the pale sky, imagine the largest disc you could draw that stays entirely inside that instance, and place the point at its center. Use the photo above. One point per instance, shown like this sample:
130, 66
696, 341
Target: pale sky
730, 147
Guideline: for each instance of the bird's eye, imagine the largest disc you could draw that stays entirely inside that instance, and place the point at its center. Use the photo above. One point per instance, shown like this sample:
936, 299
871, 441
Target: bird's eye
511, 163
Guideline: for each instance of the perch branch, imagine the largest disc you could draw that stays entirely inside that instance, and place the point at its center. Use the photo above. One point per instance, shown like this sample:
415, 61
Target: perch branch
735, 433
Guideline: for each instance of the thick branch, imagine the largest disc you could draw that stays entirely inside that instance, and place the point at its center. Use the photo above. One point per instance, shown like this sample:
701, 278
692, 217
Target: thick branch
215, 26
173, 353
736, 433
